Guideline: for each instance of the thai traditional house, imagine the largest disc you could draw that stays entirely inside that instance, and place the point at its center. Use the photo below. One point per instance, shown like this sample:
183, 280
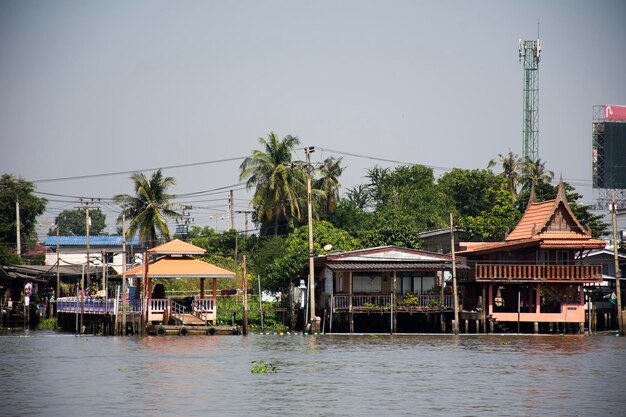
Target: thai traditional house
533, 281
384, 289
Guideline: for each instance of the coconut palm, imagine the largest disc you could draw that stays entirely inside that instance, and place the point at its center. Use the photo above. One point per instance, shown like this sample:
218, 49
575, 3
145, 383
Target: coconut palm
535, 172
511, 167
149, 208
278, 186
328, 183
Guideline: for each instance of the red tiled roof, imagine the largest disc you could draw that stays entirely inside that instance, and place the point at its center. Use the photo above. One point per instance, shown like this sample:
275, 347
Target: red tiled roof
534, 218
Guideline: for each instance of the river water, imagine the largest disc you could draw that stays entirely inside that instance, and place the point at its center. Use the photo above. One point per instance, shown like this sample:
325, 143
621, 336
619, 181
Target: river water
47, 374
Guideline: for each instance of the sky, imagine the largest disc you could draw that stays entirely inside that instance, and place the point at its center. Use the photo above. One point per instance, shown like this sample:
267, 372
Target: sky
113, 87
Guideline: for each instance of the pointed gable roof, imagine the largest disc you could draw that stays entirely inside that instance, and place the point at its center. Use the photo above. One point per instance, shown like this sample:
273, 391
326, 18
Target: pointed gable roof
554, 223
550, 224
177, 247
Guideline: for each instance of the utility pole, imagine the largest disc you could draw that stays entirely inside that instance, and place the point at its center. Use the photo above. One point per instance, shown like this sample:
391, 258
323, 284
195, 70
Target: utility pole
620, 320
17, 221
123, 274
231, 203
87, 224
58, 289
455, 328
314, 321
246, 212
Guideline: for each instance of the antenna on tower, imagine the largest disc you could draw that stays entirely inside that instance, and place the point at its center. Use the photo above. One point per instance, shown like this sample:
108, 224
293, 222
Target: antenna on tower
529, 54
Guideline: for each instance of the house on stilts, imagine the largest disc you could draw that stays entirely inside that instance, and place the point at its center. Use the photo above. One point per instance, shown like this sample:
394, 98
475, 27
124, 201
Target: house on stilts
534, 280
384, 290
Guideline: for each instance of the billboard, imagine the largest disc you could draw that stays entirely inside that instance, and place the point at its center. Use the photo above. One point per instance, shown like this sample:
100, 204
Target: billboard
609, 151
613, 112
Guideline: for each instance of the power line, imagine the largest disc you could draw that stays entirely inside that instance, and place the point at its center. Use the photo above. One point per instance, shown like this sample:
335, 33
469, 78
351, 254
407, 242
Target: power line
110, 174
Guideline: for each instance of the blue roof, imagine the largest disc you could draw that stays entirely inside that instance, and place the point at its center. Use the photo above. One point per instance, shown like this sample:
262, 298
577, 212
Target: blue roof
93, 241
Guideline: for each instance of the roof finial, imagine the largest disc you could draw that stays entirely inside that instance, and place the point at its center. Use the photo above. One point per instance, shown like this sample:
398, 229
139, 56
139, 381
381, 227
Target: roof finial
532, 198
560, 191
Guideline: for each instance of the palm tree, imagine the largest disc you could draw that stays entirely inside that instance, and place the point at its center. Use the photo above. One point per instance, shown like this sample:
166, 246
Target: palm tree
278, 186
328, 184
149, 208
535, 172
511, 167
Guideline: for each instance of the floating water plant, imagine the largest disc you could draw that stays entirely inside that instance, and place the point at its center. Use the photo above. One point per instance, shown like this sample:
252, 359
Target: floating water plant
504, 342
262, 367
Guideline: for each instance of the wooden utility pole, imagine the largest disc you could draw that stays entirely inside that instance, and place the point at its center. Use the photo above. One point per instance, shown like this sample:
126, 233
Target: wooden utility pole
232, 210
618, 290
58, 289
455, 328
18, 227
87, 224
244, 284
82, 298
123, 275
314, 321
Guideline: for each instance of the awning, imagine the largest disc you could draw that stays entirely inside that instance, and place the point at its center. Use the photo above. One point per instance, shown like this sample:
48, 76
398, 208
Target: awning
395, 266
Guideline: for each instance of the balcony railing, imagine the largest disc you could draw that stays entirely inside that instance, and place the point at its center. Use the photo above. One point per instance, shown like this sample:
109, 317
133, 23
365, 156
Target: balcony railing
383, 302
528, 272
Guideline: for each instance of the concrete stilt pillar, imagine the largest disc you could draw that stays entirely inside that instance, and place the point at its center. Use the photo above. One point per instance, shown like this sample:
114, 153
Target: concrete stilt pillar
536, 327
477, 326
466, 326
491, 329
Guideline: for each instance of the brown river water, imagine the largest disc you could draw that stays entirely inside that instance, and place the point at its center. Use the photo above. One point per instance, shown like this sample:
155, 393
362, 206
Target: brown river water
47, 374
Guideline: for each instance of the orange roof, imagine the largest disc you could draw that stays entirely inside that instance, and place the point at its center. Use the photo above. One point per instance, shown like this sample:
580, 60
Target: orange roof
533, 219
180, 267
177, 247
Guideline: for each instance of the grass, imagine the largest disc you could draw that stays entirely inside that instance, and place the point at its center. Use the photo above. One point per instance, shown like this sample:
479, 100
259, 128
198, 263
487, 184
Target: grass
47, 324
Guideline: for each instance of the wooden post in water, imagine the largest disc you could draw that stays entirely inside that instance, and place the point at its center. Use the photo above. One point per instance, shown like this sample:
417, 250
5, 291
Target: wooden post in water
244, 284
455, 327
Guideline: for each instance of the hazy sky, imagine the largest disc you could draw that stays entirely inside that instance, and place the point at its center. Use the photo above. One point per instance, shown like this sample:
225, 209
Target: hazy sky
101, 87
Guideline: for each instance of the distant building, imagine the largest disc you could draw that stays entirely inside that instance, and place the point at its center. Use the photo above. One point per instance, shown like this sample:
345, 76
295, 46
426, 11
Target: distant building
73, 251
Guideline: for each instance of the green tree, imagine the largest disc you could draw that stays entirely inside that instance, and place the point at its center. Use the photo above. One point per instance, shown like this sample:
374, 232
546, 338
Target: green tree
407, 196
149, 208
511, 168
73, 222
287, 268
278, 187
535, 172
328, 183
31, 206
494, 222
467, 189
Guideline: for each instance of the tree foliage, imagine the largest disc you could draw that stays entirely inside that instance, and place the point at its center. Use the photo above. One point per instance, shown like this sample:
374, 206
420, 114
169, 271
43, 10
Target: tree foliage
287, 268
31, 206
149, 208
278, 188
74, 223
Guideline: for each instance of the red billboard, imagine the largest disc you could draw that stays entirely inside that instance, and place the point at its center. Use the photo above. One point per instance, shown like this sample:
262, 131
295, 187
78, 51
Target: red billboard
612, 112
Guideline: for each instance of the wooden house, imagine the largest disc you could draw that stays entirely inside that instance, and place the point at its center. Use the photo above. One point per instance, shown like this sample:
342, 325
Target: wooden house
534, 279
383, 289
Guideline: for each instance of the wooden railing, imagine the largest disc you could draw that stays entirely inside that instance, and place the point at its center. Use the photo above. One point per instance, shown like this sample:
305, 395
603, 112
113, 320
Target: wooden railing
515, 272
202, 308
380, 301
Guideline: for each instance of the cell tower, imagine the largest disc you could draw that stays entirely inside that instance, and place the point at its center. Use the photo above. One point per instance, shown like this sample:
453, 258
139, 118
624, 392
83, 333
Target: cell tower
529, 52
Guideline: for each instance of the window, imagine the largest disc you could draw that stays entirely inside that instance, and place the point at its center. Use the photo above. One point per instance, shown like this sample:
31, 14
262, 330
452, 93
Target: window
543, 257
366, 283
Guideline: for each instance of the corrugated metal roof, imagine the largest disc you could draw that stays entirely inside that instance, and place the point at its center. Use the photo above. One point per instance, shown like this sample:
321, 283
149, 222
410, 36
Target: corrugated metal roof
93, 241
393, 266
